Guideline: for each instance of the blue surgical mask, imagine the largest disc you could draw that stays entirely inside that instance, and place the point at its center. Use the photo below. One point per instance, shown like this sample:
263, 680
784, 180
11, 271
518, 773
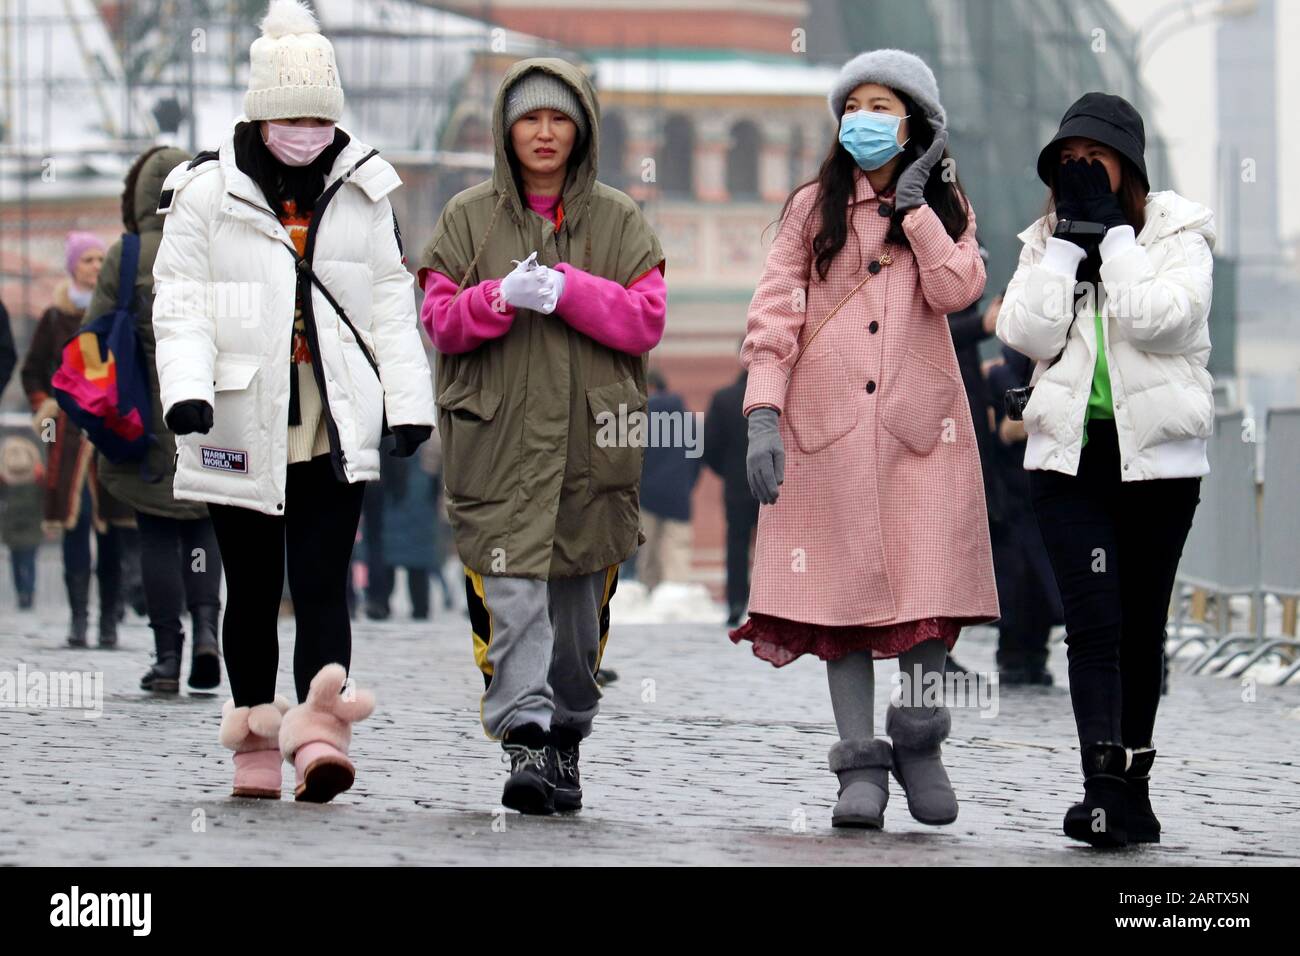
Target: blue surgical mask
871, 138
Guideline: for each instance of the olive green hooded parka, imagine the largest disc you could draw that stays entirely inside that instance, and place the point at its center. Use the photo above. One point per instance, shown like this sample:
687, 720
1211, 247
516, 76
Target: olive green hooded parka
530, 491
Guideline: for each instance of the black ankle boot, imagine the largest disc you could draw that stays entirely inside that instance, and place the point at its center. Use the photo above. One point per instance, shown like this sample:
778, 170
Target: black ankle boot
205, 652
568, 787
531, 785
164, 677
78, 585
1101, 820
1143, 827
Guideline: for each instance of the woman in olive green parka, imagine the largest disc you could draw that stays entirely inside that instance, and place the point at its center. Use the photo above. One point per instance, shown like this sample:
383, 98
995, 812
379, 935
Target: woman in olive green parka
543, 291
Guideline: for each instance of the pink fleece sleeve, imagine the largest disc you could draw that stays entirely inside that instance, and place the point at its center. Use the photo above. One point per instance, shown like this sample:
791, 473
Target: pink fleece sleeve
628, 319
463, 325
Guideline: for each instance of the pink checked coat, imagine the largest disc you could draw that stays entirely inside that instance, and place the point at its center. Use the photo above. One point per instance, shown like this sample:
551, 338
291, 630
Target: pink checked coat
881, 517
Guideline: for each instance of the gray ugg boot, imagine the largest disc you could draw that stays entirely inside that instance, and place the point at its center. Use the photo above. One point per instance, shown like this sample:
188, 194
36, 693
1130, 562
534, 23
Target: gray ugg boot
863, 769
917, 733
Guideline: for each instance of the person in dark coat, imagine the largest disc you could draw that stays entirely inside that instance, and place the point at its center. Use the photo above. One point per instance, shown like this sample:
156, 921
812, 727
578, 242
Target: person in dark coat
1027, 591
726, 440
76, 501
401, 531
969, 328
176, 557
21, 474
668, 477
8, 354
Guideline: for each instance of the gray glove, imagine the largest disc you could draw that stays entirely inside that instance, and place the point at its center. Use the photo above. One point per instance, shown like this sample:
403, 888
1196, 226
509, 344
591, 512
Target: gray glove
910, 191
765, 461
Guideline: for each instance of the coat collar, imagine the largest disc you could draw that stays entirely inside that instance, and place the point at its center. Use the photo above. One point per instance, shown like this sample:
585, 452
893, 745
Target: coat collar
244, 199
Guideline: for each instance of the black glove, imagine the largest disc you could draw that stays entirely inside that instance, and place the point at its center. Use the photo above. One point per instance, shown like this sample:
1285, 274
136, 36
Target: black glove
190, 416
1100, 204
1071, 189
407, 438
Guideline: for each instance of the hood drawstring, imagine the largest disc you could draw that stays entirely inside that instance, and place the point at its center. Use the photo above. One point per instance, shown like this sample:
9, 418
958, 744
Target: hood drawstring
479, 251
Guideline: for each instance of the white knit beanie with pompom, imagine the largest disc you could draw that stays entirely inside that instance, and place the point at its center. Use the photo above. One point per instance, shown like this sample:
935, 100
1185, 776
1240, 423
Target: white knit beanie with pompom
293, 70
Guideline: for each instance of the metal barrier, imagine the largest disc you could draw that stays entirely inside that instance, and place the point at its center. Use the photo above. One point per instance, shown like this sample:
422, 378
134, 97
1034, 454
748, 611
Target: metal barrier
1237, 547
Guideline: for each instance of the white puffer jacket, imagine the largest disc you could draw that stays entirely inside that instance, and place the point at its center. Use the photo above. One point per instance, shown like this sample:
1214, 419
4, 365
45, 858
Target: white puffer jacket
1155, 299
223, 314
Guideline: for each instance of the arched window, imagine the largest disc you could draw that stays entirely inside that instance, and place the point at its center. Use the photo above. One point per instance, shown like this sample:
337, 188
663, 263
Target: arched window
795, 156
676, 161
613, 150
742, 160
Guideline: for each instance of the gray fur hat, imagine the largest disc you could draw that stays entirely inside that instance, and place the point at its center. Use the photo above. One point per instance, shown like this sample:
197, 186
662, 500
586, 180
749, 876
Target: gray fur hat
537, 90
896, 69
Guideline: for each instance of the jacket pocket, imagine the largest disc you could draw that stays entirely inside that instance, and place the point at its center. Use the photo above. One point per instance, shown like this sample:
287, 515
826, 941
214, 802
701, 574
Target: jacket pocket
471, 441
820, 403
919, 403
367, 395
231, 444
615, 462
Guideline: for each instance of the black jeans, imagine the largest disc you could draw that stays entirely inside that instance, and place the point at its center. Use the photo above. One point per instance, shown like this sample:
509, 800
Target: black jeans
314, 540
180, 564
742, 517
1115, 548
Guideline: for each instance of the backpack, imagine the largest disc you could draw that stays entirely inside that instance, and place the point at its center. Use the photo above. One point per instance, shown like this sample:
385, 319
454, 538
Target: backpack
102, 383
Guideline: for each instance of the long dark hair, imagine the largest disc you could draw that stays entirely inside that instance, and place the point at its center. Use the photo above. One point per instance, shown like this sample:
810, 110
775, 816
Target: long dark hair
129, 218
278, 182
1132, 194
835, 185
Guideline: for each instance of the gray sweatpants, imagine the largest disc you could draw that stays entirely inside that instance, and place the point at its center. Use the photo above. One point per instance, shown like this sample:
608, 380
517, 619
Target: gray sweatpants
539, 644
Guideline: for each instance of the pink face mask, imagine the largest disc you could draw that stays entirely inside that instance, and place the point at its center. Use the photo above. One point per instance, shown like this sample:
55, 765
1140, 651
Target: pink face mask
297, 145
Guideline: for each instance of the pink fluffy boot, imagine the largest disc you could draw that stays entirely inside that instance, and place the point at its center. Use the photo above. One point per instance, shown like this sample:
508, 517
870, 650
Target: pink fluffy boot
253, 734
315, 735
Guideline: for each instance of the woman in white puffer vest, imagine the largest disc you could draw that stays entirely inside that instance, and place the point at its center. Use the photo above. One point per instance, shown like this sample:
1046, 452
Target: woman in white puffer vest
286, 331
1112, 297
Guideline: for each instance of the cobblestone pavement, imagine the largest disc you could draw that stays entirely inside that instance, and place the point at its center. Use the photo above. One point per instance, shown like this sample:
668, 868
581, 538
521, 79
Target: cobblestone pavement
703, 754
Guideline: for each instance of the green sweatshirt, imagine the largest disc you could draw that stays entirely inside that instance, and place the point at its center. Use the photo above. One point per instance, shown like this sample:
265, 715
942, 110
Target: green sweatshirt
1099, 401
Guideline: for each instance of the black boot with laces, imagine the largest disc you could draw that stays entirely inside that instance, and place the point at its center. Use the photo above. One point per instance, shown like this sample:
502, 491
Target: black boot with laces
531, 786
568, 787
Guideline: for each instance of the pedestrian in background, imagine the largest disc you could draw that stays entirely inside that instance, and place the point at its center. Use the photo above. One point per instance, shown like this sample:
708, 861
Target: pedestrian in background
725, 446
1027, 591
76, 502
543, 291
668, 478
21, 474
8, 353
180, 562
1112, 299
279, 412
874, 541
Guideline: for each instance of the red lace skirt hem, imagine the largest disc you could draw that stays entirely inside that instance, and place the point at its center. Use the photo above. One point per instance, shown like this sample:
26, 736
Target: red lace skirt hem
780, 641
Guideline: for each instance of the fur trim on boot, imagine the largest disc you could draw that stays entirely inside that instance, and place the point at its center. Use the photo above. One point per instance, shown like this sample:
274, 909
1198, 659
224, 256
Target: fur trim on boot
917, 733
863, 769
253, 734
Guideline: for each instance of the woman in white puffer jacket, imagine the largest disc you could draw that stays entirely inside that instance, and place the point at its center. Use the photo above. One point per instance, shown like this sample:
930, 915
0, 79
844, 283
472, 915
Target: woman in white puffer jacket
286, 331
1112, 297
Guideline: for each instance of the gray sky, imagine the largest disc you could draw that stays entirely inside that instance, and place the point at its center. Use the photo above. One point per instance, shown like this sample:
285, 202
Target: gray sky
1180, 77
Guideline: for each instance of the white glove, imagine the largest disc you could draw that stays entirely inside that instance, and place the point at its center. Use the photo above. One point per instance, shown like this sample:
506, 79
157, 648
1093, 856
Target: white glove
532, 286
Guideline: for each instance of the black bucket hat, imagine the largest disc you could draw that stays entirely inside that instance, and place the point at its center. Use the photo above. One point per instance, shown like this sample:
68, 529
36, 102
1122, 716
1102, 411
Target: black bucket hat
1106, 118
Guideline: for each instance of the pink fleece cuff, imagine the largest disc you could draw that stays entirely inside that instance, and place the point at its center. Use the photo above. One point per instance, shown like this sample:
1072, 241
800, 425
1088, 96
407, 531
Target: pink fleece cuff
628, 319
477, 315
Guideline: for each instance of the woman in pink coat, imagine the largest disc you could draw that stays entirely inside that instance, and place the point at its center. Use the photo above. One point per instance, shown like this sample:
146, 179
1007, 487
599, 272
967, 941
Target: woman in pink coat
873, 541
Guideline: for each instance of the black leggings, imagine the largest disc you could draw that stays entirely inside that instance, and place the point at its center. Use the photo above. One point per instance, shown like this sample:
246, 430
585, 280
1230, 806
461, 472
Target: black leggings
180, 563
1115, 548
315, 535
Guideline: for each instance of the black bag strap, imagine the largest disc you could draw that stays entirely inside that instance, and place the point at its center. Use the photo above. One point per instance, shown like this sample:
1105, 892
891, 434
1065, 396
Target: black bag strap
127, 271
304, 262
